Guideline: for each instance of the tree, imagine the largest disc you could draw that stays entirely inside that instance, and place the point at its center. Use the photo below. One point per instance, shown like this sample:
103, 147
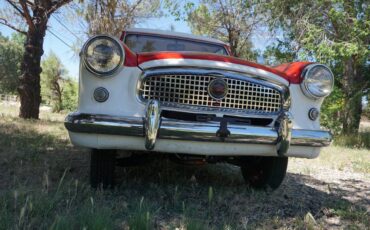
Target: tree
30, 18
11, 51
57, 88
69, 94
233, 21
112, 16
335, 32
51, 81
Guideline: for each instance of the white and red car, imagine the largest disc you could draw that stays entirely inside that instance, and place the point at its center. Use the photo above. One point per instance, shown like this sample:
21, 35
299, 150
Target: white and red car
153, 92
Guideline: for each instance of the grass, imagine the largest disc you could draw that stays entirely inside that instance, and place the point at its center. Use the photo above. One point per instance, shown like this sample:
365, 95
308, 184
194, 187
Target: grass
362, 140
44, 185
343, 158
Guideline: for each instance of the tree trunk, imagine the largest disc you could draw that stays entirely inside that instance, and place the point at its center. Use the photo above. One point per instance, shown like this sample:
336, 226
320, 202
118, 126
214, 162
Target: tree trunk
352, 115
233, 42
29, 87
58, 96
352, 98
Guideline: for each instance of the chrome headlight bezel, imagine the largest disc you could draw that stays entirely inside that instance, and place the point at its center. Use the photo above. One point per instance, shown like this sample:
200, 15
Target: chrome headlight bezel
95, 71
305, 81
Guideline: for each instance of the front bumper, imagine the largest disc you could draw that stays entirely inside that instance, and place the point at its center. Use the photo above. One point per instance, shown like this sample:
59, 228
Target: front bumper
153, 127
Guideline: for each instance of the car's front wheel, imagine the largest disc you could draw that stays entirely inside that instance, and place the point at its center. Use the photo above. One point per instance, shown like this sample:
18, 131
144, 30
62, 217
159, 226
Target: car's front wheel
264, 172
102, 168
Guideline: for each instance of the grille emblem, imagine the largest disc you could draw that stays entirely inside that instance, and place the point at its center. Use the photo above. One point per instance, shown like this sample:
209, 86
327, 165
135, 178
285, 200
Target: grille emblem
217, 89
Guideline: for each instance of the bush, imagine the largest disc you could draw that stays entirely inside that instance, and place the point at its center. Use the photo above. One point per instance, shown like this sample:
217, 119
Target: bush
330, 111
366, 112
69, 95
361, 140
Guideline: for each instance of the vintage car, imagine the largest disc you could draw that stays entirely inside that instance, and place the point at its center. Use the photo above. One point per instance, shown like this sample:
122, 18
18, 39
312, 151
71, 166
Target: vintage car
157, 92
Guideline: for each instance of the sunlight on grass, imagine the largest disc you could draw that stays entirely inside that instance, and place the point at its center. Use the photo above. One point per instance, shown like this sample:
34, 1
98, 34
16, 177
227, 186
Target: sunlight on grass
340, 157
12, 110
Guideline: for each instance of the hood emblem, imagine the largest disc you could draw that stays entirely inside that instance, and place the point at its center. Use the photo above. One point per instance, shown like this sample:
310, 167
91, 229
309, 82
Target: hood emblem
217, 88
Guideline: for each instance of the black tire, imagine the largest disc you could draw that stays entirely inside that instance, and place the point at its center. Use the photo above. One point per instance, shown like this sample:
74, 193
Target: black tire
264, 172
102, 167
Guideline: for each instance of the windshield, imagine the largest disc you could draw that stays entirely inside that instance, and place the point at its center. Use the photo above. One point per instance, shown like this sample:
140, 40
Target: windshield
151, 43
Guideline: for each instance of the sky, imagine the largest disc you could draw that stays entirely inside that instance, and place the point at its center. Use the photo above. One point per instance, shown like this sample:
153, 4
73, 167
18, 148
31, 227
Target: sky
71, 60
68, 57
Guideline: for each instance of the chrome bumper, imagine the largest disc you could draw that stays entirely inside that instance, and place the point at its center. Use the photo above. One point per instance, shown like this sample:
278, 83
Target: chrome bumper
153, 126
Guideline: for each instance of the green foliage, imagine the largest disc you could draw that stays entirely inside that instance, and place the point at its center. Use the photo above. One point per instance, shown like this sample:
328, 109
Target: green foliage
111, 16
200, 15
333, 32
11, 51
179, 9
69, 95
56, 89
231, 21
366, 105
330, 111
51, 78
279, 53
366, 112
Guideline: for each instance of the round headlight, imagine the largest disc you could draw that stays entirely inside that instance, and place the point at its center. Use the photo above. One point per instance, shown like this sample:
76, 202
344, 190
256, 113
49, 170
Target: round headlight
318, 81
103, 55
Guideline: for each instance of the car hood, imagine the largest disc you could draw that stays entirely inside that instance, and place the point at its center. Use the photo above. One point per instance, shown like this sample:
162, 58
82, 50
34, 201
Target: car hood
290, 73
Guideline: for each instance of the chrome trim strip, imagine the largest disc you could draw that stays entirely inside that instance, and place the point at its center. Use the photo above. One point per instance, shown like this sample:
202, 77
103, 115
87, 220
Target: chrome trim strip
314, 138
194, 131
284, 90
215, 72
104, 124
206, 131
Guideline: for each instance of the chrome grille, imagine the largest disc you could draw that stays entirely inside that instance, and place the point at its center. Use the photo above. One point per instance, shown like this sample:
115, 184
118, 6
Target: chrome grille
187, 89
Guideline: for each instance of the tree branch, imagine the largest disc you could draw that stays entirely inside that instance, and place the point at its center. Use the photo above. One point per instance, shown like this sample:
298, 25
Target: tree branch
30, 3
57, 5
15, 7
133, 8
5, 23
26, 14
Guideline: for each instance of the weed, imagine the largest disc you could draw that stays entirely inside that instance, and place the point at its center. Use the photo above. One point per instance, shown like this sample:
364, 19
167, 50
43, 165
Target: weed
357, 215
141, 218
195, 224
361, 140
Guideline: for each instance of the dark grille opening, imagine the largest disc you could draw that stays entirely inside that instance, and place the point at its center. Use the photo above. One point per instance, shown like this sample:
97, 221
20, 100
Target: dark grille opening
187, 116
211, 117
253, 121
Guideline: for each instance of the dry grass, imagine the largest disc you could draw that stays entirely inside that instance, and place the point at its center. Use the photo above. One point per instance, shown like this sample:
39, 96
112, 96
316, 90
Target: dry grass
337, 158
44, 185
